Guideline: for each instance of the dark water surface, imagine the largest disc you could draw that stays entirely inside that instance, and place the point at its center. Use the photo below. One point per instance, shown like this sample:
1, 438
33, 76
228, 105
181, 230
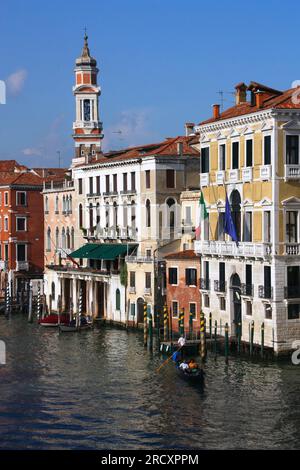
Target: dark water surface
99, 390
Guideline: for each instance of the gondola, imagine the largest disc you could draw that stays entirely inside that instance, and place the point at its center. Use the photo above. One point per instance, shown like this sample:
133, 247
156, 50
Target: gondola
72, 326
195, 376
53, 320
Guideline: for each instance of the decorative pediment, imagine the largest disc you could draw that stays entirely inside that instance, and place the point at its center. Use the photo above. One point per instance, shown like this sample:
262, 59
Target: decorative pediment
247, 130
220, 136
247, 203
204, 138
291, 201
265, 202
291, 126
266, 126
234, 133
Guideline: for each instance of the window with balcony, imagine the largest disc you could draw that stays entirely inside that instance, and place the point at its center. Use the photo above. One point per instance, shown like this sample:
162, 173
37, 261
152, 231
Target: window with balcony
91, 186
115, 182
80, 218
205, 160
125, 182
147, 178
173, 277
107, 183
133, 185
267, 282
222, 157
80, 186
118, 299
247, 226
292, 226
292, 149
191, 277
222, 280
98, 187
247, 288
267, 150
6, 252
235, 155
148, 281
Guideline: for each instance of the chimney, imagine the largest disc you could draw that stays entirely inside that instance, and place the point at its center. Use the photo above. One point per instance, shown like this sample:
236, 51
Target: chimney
240, 93
189, 128
216, 111
180, 148
259, 96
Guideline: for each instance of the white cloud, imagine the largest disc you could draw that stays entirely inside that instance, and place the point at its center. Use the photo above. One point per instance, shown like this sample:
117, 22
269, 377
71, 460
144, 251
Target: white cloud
32, 152
15, 81
132, 128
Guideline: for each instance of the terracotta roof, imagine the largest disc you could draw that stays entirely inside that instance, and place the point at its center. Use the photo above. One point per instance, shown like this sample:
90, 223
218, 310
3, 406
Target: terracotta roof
51, 174
272, 99
12, 166
186, 254
11, 178
165, 148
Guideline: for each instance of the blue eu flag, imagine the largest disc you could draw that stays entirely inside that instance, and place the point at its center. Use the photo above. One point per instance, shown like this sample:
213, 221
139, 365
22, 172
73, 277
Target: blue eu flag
229, 226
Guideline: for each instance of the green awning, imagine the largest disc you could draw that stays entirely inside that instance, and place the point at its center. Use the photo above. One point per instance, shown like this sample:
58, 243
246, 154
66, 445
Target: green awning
103, 251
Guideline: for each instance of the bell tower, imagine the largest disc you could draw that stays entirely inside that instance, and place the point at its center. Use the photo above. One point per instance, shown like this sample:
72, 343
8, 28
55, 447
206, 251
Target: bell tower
87, 128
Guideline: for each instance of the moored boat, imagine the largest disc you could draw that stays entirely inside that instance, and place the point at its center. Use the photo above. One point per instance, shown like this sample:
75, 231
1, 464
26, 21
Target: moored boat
72, 326
54, 320
192, 376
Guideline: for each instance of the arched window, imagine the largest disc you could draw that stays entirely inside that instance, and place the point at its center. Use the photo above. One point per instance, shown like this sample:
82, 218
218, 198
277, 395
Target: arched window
53, 291
133, 215
49, 239
63, 238
91, 216
56, 204
57, 238
80, 218
148, 213
236, 211
70, 205
107, 215
72, 238
115, 215
118, 300
171, 216
64, 204
68, 239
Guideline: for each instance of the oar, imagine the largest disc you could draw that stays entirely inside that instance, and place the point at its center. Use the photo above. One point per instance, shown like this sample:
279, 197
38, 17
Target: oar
167, 360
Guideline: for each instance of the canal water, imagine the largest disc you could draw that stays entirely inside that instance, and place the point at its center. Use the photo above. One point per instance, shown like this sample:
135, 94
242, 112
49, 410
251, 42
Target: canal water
100, 390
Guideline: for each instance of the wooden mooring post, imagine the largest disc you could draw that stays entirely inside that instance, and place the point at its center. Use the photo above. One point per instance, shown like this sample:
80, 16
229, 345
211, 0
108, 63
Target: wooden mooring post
30, 294
150, 331
145, 325
202, 337
262, 340
166, 329
226, 342
251, 338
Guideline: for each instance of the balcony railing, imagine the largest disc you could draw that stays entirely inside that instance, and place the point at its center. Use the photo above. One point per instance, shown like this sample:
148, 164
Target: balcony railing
292, 172
212, 247
22, 266
139, 259
292, 292
111, 233
128, 191
265, 172
233, 175
147, 291
265, 292
220, 286
204, 283
110, 193
204, 179
220, 177
131, 289
292, 249
247, 290
247, 174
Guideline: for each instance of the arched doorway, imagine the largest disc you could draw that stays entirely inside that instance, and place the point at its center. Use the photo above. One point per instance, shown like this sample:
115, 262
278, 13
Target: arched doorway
235, 284
140, 310
235, 199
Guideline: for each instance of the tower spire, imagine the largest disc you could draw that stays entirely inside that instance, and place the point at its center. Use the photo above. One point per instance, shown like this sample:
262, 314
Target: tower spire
85, 50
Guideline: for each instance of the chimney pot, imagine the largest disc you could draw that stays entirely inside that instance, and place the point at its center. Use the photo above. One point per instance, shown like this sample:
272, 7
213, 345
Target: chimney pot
240, 93
180, 148
189, 128
216, 111
259, 95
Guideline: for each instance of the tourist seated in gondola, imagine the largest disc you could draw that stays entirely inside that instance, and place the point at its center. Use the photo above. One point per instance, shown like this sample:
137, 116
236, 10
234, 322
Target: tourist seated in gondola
193, 365
184, 366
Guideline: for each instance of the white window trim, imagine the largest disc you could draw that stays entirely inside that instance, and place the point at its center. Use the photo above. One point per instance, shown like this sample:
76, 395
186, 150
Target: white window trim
295, 133
219, 154
26, 252
233, 141
6, 204
21, 192
192, 267
174, 267
291, 209
245, 152
266, 134
6, 229
196, 310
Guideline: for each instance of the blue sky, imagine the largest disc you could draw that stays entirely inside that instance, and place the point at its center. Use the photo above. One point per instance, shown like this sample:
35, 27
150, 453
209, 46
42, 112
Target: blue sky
161, 64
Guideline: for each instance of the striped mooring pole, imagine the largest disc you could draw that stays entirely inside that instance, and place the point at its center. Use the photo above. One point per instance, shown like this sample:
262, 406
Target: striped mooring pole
145, 325
226, 341
202, 337
181, 322
7, 301
157, 325
150, 331
30, 294
166, 329
79, 307
38, 306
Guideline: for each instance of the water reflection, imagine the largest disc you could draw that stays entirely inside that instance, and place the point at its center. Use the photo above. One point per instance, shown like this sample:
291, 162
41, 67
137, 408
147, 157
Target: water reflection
99, 389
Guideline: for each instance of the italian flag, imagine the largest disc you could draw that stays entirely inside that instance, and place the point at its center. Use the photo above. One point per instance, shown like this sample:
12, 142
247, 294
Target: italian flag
202, 215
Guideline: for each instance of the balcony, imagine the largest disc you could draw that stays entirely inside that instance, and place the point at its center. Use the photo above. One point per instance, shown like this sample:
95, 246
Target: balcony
292, 249
220, 177
265, 292
147, 291
64, 252
233, 175
3, 265
247, 290
204, 179
204, 283
96, 194
265, 172
222, 248
220, 286
110, 193
22, 266
131, 289
292, 292
127, 192
247, 175
110, 233
292, 172
139, 259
